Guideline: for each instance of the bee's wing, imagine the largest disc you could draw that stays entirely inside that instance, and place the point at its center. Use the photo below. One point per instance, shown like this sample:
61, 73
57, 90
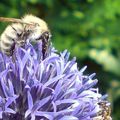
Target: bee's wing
14, 20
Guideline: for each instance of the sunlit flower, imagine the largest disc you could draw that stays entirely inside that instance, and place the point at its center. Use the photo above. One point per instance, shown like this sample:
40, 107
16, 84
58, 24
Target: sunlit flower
51, 89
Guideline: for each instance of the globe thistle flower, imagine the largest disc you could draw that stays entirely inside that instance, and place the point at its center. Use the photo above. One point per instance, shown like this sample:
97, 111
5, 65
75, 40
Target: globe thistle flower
33, 88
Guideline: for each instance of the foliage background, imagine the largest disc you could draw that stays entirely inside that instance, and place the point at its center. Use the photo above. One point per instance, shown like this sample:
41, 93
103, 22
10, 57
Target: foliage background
89, 29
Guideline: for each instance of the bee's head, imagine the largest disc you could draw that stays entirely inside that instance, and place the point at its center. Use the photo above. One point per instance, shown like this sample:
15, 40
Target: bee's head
37, 29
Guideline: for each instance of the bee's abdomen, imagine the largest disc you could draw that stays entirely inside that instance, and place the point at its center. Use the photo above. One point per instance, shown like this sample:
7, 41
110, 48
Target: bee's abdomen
7, 40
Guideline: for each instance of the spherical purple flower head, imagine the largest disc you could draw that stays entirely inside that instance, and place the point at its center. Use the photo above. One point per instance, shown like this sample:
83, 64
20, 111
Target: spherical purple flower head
51, 89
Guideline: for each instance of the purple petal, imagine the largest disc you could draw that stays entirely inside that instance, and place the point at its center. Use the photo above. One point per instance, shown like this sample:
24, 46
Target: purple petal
69, 118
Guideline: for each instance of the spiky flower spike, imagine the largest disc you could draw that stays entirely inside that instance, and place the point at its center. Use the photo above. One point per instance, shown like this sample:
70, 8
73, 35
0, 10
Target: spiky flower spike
51, 89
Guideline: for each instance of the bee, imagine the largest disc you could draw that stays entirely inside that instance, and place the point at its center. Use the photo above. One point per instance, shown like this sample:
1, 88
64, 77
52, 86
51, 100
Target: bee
27, 29
105, 111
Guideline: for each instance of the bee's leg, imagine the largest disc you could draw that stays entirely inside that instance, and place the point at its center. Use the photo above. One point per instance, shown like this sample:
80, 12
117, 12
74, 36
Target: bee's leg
45, 44
13, 58
18, 34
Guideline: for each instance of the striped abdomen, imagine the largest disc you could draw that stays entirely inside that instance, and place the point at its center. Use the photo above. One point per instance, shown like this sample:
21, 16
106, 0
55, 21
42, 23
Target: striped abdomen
9, 37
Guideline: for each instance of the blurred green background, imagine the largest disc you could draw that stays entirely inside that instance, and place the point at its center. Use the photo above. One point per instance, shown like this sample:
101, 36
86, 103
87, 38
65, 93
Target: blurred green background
89, 29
